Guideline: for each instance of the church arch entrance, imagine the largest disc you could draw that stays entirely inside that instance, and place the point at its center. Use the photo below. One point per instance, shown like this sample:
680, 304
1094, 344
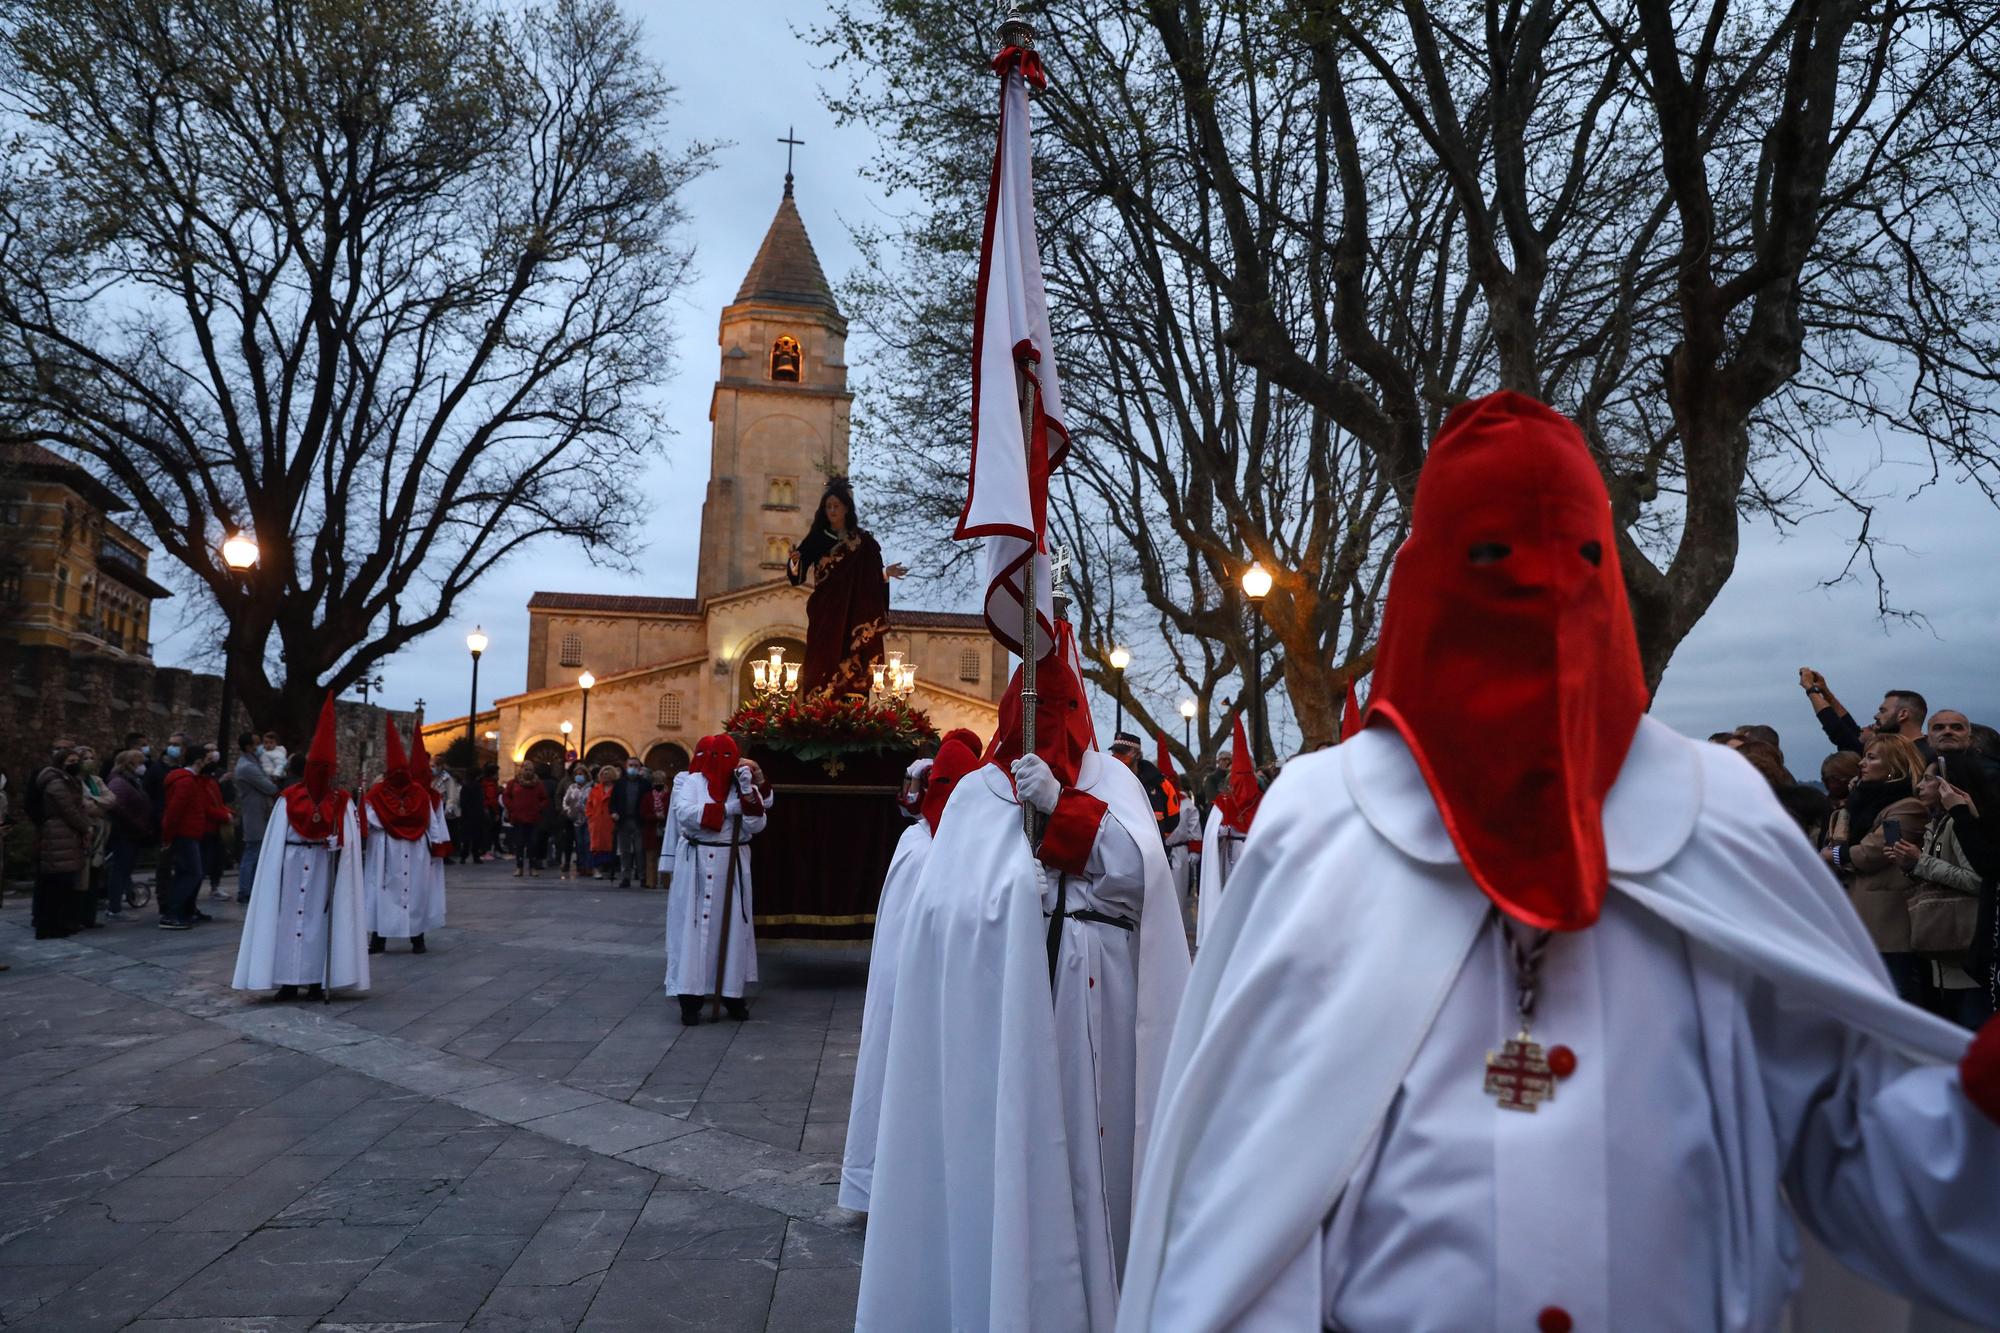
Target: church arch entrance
546, 757
607, 752
668, 758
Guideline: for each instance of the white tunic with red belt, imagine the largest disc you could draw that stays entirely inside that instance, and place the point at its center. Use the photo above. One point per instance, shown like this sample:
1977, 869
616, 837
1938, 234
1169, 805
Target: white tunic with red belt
702, 883
1328, 1157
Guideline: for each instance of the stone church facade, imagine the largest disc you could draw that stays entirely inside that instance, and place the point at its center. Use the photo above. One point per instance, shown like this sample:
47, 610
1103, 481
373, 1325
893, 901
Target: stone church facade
668, 670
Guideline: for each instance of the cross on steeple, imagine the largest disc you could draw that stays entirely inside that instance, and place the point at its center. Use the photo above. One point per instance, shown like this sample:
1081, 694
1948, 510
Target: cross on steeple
790, 141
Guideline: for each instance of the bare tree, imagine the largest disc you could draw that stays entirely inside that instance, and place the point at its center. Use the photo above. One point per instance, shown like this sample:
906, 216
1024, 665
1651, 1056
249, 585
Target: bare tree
1713, 234
384, 285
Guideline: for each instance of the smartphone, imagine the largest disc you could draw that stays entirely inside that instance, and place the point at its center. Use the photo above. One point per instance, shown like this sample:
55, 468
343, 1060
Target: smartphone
1892, 832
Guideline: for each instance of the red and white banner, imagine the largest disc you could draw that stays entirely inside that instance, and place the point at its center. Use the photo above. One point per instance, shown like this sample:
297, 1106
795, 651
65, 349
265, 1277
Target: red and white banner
1013, 451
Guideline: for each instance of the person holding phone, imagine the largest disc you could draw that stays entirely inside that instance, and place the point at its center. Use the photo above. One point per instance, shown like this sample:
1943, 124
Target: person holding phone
1883, 809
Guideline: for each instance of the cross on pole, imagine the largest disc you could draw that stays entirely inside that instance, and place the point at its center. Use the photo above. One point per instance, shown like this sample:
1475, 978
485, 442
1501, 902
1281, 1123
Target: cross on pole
791, 141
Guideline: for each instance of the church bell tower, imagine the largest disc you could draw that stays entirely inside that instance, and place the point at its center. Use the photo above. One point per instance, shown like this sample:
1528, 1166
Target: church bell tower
779, 411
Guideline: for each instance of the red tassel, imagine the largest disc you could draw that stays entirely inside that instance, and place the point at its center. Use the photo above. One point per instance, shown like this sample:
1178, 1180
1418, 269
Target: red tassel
1979, 1071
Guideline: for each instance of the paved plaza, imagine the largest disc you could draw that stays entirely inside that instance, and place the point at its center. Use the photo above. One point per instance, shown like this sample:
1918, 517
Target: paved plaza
510, 1133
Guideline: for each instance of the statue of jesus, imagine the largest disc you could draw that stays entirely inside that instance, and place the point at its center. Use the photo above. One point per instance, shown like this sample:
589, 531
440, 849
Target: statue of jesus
847, 615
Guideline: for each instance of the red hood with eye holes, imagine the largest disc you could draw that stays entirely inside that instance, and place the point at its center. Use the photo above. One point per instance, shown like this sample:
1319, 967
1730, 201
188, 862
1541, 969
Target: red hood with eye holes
1514, 677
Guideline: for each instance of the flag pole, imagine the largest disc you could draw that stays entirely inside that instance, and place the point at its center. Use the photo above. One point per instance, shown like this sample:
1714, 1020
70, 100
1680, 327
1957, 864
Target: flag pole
1017, 31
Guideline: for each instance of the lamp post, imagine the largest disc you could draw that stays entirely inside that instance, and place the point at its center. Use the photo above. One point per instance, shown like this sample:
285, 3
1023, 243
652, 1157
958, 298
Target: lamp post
476, 641
566, 729
584, 682
239, 556
1187, 726
1121, 657
1256, 586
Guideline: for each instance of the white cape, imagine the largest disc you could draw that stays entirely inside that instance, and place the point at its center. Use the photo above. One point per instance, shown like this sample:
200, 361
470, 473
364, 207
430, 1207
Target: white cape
1262, 1120
256, 962
857, 1168
973, 1224
1221, 849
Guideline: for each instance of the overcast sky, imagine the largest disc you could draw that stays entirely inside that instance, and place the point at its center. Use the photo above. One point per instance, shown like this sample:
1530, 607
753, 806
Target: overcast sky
743, 77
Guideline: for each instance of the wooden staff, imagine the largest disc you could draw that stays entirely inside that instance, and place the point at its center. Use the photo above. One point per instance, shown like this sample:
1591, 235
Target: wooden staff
728, 914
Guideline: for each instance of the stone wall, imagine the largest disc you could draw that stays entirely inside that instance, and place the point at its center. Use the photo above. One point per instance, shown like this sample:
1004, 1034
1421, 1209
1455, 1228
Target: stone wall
46, 692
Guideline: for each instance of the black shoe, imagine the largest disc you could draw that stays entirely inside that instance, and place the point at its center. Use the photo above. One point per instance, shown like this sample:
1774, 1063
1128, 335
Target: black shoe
736, 1009
417, 944
690, 1010
200, 915
288, 992
167, 923
376, 944
624, 883
316, 991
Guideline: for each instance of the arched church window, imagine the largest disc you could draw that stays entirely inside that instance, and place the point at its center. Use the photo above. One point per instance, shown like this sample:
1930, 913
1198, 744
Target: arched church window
572, 650
670, 711
781, 493
786, 360
968, 664
777, 550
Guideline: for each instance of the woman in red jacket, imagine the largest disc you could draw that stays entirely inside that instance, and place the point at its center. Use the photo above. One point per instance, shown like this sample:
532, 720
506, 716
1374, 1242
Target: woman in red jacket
603, 828
525, 799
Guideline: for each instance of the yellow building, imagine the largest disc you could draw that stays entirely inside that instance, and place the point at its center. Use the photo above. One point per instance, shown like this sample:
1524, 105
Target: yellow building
70, 576
668, 670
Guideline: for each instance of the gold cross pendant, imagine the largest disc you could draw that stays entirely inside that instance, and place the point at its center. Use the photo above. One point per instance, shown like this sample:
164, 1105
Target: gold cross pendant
1518, 1075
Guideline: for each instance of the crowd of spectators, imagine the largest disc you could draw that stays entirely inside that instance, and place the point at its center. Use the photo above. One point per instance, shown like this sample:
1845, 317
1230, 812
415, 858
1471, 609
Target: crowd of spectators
1906, 812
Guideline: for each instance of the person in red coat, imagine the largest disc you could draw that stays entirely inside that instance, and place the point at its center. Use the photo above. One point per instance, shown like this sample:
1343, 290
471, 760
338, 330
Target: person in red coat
192, 809
654, 807
525, 800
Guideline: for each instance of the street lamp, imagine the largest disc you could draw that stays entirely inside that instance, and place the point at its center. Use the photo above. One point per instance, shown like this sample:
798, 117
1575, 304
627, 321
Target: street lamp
1187, 726
1121, 658
239, 556
1256, 586
476, 641
566, 728
584, 682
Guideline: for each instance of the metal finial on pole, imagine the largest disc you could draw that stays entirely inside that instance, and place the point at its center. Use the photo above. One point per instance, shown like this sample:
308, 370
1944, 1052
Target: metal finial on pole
1015, 30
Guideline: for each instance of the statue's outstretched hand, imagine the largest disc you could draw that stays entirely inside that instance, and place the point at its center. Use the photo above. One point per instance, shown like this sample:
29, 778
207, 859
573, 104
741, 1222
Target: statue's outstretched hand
896, 570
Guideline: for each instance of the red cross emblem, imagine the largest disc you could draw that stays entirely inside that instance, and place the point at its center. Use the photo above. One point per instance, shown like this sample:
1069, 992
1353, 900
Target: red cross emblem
1518, 1076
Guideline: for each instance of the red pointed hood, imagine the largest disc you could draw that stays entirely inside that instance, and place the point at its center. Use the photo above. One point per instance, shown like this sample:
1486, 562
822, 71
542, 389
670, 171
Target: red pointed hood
1163, 759
1508, 660
964, 736
1063, 733
954, 760
1239, 802
395, 766
1350, 713
320, 758
420, 758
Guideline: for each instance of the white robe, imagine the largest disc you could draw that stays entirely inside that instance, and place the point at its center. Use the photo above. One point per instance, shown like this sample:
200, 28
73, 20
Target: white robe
1221, 848
1016, 1120
670, 836
695, 903
857, 1168
1181, 860
405, 880
285, 928
1325, 1155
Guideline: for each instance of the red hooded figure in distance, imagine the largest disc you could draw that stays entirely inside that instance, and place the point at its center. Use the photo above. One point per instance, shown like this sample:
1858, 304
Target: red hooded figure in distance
1228, 825
406, 847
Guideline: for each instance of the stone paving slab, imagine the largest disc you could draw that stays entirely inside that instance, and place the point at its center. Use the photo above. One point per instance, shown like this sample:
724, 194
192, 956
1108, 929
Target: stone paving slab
510, 1133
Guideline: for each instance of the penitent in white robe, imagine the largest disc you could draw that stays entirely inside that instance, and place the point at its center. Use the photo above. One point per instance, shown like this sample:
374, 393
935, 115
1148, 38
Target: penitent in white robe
302, 891
405, 879
1016, 1119
701, 883
1221, 848
857, 1168
670, 836
1326, 1156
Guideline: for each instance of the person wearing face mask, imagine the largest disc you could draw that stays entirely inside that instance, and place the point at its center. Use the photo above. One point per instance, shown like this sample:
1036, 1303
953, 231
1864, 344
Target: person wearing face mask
97, 804
628, 833
63, 828
193, 813
573, 835
131, 818
1525, 1012
653, 809
524, 800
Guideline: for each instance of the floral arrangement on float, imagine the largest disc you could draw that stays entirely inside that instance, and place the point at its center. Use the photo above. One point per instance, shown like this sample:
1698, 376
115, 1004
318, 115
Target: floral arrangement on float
827, 728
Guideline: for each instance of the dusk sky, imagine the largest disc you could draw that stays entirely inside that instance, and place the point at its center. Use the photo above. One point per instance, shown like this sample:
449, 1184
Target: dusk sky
743, 76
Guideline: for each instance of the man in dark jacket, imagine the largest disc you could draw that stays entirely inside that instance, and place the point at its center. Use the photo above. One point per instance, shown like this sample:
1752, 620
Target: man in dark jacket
627, 794
64, 834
